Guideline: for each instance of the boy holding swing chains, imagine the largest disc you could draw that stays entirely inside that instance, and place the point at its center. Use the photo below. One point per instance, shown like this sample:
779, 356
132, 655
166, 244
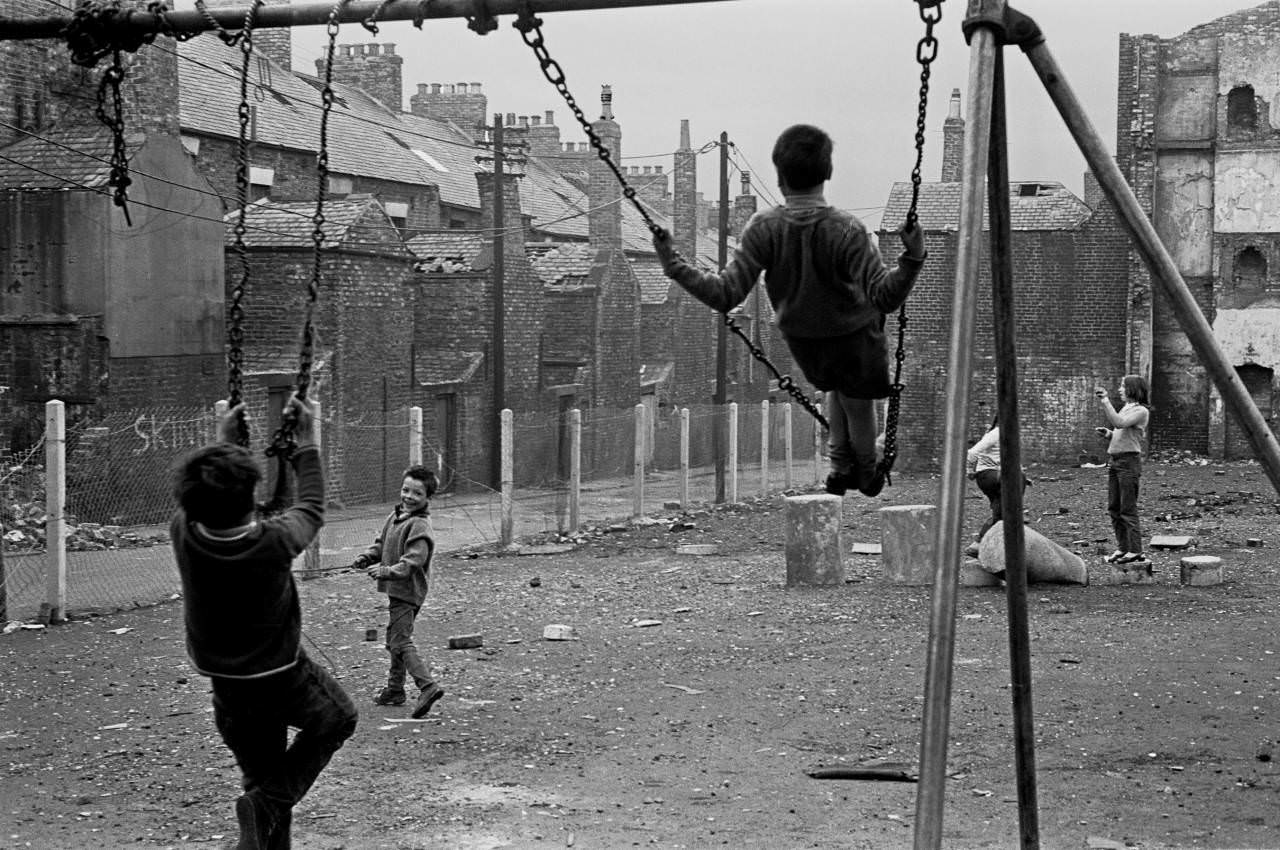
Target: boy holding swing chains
830, 290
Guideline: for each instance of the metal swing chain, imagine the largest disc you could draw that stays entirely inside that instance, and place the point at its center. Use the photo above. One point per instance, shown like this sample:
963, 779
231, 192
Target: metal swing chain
118, 178
530, 27
235, 312
283, 442
926, 52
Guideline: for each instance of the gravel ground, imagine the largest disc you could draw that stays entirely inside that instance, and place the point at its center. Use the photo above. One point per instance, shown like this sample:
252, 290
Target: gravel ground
700, 690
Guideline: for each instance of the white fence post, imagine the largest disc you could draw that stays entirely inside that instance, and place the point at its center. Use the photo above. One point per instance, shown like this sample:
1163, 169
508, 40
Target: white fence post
733, 453
684, 457
311, 557
415, 436
220, 408
788, 452
55, 487
575, 469
507, 477
764, 447
637, 507
817, 448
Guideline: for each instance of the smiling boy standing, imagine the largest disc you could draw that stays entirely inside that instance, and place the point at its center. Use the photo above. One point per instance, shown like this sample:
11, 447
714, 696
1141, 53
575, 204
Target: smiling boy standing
400, 559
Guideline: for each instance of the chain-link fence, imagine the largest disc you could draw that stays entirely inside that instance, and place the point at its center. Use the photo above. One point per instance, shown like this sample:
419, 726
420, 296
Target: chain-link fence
119, 497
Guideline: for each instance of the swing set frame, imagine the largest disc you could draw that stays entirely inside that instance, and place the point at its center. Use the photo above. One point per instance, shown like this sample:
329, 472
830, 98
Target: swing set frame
989, 26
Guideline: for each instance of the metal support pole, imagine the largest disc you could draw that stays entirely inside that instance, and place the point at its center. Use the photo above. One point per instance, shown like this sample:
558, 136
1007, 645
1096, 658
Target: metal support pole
722, 332
1158, 260
1015, 575
499, 284
314, 14
942, 625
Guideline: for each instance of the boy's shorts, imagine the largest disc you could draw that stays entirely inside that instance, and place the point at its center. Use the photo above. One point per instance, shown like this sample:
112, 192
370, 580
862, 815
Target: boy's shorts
856, 365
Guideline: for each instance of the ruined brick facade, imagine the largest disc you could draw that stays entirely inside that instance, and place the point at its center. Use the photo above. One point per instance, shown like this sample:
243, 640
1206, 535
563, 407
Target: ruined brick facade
1198, 137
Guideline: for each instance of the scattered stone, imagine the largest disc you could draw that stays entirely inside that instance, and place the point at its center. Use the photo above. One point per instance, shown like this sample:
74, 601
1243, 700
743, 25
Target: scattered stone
557, 631
697, 549
644, 624
1171, 541
545, 549
466, 641
1130, 574
1253, 542
671, 506
535, 582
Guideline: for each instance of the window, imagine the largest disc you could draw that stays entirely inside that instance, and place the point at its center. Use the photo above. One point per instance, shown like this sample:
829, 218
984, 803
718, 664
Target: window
1242, 109
1250, 272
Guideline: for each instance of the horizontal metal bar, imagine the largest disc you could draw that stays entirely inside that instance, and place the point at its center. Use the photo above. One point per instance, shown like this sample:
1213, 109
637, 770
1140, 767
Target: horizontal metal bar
316, 14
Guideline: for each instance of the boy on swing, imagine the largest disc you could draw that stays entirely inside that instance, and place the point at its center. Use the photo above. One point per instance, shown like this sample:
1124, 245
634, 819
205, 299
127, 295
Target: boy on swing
244, 625
830, 291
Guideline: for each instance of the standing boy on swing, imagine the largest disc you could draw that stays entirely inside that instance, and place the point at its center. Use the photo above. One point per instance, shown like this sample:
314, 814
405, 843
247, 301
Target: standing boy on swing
830, 291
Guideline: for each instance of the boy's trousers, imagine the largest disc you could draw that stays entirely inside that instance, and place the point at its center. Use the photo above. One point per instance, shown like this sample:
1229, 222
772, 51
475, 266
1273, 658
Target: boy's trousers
254, 716
404, 653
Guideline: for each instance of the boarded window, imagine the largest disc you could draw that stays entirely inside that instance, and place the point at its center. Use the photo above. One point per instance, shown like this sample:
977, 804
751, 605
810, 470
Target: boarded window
1250, 272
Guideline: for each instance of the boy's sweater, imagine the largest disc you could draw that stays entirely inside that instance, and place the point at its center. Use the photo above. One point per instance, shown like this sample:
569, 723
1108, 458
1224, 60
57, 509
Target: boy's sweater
242, 615
405, 547
823, 272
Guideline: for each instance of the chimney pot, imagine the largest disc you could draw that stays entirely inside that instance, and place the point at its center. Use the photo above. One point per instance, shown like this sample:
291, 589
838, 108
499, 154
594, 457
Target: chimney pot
435, 88
389, 49
657, 169
684, 134
746, 182
536, 119
524, 121
648, 169
372, 49
475, 88
606, 102
954, 109
551, 117
423, 88
511, 119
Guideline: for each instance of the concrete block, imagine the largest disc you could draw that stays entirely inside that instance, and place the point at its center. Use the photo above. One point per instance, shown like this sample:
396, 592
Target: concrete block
466, 641
1128, 574
700, 549
1046, 561
865, 549
973, 575
557, 631
907, 543
814, 553
1201, 570
1171, 541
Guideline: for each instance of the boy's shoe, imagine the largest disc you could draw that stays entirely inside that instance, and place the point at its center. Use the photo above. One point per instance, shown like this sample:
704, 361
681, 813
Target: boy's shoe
874, 485
390, 696
972, 550
1131, 558
1113, 557
839, 483
255, 821
426, 699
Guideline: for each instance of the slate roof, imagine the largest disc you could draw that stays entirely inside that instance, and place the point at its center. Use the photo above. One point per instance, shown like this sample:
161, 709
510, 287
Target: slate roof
447, 250
75, 156
447, 367
561, 264
1052, 207
289, 224
366, 139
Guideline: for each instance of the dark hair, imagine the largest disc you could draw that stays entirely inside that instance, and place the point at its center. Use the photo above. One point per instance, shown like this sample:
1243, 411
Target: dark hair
1136, 389
214, 485
426, 475
802, 156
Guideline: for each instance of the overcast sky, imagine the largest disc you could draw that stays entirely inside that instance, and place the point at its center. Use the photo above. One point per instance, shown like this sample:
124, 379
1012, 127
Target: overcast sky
753, 67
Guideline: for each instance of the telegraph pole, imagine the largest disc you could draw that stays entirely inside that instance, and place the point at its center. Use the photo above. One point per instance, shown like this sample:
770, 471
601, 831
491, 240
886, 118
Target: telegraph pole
722, 333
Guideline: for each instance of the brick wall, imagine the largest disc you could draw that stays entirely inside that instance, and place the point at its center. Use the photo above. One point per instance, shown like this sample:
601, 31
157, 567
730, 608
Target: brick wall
61, 357
462, 103
140, 382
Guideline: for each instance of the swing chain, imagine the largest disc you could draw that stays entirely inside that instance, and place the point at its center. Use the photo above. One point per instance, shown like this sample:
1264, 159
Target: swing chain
530, 27
926, 53
283, 442
235, 328
118, 177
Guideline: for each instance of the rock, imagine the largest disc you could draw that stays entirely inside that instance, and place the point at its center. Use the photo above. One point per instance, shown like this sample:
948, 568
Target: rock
558, 631
813, 550
1046, 561
1200, 570
468, 641
697, 549
1171, 541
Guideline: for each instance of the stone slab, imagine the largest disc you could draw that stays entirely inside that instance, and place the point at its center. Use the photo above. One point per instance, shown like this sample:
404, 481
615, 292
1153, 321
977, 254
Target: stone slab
1171, 541
866, 549
466, 641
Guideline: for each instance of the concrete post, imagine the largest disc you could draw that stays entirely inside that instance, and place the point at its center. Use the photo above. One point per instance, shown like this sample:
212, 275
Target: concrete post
733, 453
575, 469
764, 447
311, 557
814, 553
637, 505
506, 476
415, 436
907, 543
788, 453
684, 457
54, 609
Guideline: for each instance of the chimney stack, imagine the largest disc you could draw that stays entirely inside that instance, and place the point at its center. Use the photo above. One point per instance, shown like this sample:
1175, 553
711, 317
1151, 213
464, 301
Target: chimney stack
604, 221
953, 142
373, 68
684, 197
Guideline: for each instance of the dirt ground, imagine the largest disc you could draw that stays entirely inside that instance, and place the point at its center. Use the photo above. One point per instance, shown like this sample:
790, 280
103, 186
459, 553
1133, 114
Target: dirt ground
700, 690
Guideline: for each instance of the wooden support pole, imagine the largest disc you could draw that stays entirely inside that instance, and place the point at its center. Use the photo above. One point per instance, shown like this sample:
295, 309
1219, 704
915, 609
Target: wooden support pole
575, 469
54, 609
732, 454
506, 476
764, 447
415, 436
637, 486
311, 556
788, 451
684, 457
